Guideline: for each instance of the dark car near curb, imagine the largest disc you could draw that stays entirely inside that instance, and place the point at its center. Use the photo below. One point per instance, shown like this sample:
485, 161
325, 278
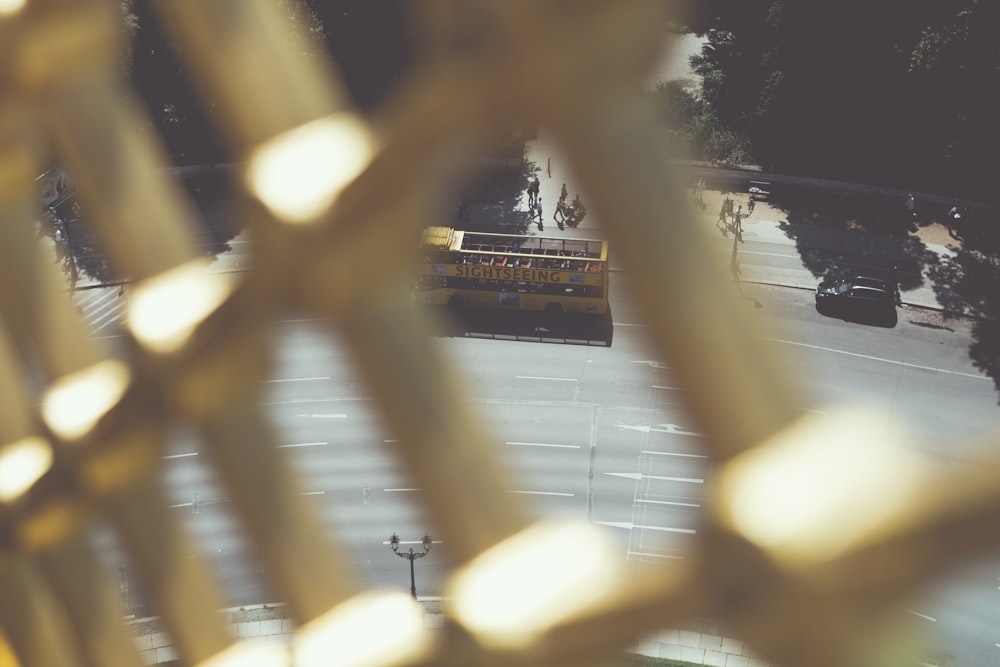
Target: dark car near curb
861, 295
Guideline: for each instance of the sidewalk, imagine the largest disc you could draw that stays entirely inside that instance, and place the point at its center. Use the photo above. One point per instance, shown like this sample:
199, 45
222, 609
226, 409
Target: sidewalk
271, 623
765, 225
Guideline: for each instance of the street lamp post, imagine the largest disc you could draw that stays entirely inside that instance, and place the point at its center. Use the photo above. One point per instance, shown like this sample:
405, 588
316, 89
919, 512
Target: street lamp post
411, 556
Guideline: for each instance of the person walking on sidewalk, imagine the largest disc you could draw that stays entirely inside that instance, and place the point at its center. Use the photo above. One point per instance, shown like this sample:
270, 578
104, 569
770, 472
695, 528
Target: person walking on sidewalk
721, 223
738, 224
533, 188
538, 212
894, 281
563, 194
751, 203
954, 217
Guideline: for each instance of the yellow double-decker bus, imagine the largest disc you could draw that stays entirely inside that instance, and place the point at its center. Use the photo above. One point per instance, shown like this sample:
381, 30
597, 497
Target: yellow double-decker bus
545, 274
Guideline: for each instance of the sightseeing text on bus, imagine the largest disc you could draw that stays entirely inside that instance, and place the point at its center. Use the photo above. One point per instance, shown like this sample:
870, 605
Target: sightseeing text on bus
509, 273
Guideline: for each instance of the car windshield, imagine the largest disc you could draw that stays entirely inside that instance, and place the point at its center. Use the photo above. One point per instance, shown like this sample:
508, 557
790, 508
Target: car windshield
843, 287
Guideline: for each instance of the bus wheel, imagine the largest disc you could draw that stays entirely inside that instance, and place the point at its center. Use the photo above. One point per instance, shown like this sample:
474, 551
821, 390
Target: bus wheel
456, 303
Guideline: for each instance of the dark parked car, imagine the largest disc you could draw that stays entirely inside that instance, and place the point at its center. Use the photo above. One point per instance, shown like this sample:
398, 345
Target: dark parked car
860, 295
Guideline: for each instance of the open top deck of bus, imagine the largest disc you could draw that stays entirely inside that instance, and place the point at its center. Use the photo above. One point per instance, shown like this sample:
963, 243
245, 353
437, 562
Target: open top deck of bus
446, 238
544, 274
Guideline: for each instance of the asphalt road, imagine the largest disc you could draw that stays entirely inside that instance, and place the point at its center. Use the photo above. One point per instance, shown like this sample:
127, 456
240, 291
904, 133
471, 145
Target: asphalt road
595, 432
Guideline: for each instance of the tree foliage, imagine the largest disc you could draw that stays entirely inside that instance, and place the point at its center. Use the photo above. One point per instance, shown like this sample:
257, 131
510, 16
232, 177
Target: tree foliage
694, 131
369, 40
901, 92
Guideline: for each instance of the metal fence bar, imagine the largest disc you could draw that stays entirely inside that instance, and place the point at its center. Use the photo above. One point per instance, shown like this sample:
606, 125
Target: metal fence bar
329, 195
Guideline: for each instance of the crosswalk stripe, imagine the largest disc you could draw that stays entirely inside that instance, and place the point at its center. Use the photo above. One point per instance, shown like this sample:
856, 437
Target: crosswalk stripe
101, 307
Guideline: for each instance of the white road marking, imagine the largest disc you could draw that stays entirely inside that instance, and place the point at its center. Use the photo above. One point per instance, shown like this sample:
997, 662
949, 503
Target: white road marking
181, 456
628, 525
627, 475
882, 359
542, 493
649, 362
543, 444
918, 614
689, 456
312, 493
672, 429
836, 351
400, 490
686, 480
325, 416
303, 444
673, 503
306, 401
638, 475
323, 377
104, 311
766, 254
537, 377
646, 554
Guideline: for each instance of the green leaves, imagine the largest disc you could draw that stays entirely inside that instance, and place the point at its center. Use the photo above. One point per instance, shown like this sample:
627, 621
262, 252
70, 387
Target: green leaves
890, 92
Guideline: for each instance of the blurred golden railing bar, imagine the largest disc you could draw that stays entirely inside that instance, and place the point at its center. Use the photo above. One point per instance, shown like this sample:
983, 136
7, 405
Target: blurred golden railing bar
39, 314
440, 432
34, 297
31, 618
445, 448
92, 603
142, 160
798, 554
69, 567
243, 55
300, 559
28, 613
70, 66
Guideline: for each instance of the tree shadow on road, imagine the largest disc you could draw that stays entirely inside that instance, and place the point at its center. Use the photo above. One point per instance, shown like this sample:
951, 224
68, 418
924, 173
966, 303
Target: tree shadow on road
221, 220
522, 326
968, 284
495, 198
838, 234
216, 224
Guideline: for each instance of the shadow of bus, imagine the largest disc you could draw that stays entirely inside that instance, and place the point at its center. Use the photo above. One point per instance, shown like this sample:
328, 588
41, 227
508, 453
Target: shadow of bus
523, 326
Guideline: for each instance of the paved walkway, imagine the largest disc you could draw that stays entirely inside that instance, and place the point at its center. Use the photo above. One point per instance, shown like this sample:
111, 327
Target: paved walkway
271, 624
766, 225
